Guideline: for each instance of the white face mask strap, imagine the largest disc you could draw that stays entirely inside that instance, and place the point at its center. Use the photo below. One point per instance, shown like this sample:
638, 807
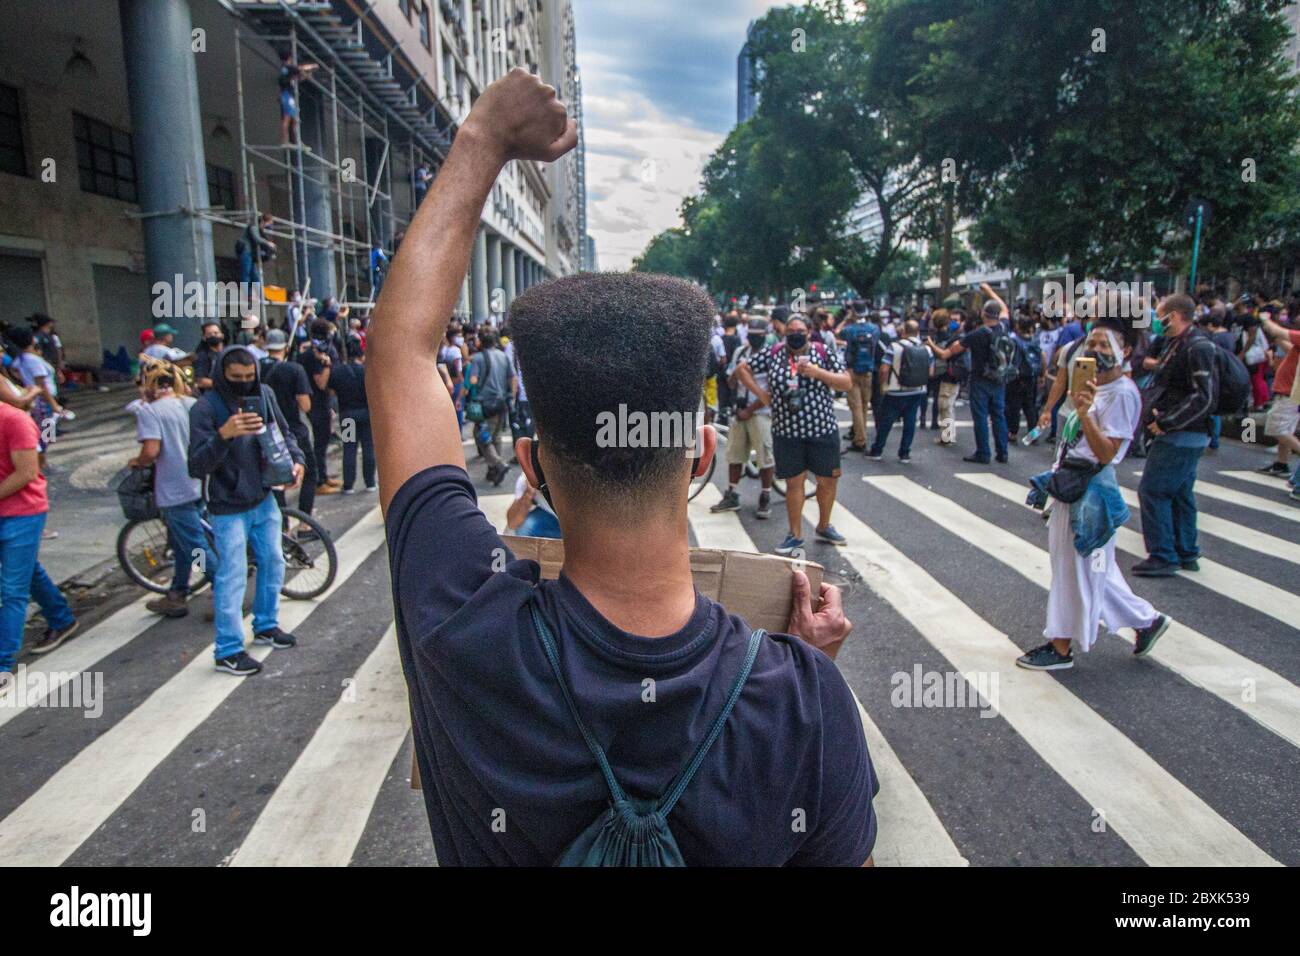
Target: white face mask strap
1116, 347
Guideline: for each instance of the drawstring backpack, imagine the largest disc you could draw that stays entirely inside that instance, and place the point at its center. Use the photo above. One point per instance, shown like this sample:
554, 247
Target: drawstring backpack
635, 832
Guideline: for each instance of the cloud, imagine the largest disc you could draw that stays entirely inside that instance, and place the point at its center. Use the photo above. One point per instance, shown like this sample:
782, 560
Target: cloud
659, 95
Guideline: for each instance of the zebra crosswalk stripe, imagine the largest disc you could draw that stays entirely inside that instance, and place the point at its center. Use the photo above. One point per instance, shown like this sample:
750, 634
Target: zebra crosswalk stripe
49, 826
1277, 509
909, 832
1158, 816
320, 809
1188, 653
1263, 597
1234, 533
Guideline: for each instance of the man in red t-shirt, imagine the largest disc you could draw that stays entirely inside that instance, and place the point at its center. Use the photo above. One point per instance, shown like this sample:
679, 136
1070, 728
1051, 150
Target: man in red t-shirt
1283, 414
23, 506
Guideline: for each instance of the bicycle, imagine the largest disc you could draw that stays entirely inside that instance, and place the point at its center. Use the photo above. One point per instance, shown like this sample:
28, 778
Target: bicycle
751, 470
310, 562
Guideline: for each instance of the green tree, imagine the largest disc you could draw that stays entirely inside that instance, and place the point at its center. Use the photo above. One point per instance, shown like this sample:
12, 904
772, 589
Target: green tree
1079, 136
666, 252
817, 96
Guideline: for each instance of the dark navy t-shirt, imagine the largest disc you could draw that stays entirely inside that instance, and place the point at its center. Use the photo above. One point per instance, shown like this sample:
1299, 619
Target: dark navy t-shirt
507, 777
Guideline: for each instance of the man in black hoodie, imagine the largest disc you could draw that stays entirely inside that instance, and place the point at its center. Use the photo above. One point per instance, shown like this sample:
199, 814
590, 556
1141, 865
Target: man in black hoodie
226, 436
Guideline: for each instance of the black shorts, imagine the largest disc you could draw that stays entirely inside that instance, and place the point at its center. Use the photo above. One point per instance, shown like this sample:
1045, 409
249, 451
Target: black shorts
819, 455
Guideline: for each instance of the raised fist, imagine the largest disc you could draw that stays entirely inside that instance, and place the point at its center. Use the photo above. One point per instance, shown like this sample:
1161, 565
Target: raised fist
519, 117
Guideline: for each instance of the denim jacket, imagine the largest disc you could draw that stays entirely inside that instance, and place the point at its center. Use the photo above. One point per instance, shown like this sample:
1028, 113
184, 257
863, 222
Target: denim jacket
1096, 516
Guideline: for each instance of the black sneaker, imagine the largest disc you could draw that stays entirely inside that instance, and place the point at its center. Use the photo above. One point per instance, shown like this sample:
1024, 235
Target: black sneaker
904, 459
1045, 658
1190, 565
730, 501
53, 637
1154, 568
1001, 459
1146, 637
764, 505
238, 665
976, 460
1276, 469
276, 638
874, 455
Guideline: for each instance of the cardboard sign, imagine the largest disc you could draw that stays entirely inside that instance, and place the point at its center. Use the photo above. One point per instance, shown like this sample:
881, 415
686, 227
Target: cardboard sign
757, 587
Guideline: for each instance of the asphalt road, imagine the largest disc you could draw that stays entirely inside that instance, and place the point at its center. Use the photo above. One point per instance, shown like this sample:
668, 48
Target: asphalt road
1187, 757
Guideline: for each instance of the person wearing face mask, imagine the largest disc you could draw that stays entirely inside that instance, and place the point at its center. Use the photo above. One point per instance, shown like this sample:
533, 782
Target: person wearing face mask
751, 426
1088, 586
1184, 395
205, 356
802, 379
227, 449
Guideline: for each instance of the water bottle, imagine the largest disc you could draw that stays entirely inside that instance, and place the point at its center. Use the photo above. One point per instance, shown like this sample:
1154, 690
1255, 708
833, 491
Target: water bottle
1032, 437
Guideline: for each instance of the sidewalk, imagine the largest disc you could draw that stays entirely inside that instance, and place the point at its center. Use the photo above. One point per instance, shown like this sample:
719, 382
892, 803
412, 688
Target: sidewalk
90, 450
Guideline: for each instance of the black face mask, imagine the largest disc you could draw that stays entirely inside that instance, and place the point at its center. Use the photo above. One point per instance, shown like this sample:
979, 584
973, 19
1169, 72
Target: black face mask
1105, 361
796, 340
243, 389
213, 341
757, 341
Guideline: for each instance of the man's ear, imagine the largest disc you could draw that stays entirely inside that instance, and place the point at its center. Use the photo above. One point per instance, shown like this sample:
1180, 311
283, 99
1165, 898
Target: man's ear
706, 443
523, 454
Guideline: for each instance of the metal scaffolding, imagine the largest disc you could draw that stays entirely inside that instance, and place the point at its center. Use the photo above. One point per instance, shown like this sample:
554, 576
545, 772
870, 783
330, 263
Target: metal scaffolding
359, 108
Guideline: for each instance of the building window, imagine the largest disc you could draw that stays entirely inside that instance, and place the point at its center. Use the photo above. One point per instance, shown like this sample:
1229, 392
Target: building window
13, 152
105, 159
426, 35
221, 187
405, 7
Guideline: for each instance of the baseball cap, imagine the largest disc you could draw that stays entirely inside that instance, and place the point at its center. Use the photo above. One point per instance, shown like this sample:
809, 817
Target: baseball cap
757, 325
992, 310
276, 340
859, 306
162, 328
146, 336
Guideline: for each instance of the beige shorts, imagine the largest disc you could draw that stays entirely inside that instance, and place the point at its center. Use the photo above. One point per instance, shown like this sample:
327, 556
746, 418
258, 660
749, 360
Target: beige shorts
1282, 418
755, 435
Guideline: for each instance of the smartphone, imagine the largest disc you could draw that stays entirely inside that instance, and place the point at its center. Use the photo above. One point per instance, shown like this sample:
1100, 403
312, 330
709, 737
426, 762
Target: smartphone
1085, 370
252, 405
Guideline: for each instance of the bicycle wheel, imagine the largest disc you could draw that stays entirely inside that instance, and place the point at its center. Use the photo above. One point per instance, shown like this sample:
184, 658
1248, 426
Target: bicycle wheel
809, 486
310, 563
697, 484
145, 554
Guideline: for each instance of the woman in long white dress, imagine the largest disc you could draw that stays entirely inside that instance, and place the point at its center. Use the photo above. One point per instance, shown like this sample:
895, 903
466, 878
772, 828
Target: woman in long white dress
1089, 589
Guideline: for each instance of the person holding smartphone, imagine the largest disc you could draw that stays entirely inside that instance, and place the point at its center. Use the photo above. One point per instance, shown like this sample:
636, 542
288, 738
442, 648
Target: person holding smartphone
1089, 588
225, 450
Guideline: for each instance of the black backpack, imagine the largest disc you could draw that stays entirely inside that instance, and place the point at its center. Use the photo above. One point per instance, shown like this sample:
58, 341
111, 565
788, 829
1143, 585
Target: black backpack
913, 366
1232, 382
1002, 366
1031, 360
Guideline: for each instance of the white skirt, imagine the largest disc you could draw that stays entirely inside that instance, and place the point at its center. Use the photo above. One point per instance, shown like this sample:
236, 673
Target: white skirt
1087, 590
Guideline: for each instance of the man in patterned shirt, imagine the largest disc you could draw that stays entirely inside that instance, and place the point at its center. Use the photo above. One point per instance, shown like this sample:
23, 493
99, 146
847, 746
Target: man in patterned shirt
802, 378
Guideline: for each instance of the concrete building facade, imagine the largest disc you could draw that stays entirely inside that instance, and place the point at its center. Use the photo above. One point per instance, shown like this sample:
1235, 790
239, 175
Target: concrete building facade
137, 137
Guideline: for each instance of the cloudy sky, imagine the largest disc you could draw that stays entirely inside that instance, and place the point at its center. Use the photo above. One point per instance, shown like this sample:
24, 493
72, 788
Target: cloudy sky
659, 94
